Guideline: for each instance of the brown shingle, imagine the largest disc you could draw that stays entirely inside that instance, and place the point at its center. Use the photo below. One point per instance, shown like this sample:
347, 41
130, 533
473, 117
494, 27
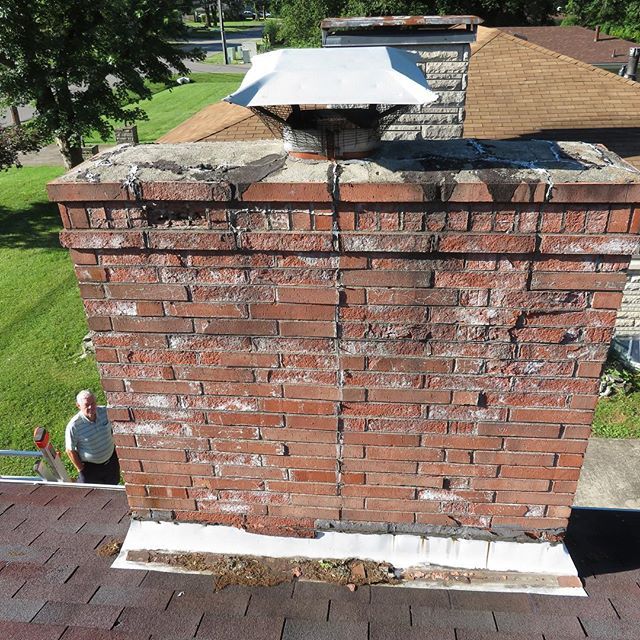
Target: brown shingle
547, 95
576, 43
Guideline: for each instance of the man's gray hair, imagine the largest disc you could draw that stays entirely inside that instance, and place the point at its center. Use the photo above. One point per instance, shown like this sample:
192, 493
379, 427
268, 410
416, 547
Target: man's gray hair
83, 395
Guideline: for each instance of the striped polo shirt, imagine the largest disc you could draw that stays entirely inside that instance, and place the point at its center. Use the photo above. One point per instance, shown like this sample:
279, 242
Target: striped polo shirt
92, 440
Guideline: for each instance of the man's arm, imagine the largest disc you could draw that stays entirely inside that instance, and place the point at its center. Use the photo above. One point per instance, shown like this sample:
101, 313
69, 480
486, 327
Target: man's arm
75, 458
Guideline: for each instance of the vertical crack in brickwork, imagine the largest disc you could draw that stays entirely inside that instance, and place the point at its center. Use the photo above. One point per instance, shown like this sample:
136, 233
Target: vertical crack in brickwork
335, 170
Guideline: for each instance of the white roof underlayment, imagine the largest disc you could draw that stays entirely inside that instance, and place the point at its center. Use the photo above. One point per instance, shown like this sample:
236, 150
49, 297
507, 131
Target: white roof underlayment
341, 75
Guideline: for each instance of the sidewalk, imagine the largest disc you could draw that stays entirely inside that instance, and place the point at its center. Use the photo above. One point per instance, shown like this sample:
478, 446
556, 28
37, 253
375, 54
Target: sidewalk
610, 477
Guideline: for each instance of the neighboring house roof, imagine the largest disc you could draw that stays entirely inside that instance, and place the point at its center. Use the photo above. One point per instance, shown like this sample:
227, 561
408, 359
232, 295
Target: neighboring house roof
518, 89
56, 581
577, 42
219, 121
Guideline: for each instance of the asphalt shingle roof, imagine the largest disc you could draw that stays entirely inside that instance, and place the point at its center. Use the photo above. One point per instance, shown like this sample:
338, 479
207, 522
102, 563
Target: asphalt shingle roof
577, 42
518, 89
47, 593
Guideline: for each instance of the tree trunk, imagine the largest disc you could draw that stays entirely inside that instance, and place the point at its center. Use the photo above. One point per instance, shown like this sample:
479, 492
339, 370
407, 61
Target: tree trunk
15, 116
207, 15
72, 155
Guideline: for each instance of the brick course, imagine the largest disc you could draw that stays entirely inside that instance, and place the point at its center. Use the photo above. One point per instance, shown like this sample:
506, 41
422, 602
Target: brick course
419, 367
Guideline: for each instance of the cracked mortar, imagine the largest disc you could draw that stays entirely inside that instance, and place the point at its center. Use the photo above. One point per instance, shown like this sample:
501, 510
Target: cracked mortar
437, 166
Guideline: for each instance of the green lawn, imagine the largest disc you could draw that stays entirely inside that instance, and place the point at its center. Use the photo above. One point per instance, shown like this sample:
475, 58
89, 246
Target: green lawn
42, 321
218, 58
168, 108
618, 416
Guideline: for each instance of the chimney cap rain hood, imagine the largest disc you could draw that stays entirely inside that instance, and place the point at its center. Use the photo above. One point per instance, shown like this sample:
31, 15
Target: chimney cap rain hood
366, 75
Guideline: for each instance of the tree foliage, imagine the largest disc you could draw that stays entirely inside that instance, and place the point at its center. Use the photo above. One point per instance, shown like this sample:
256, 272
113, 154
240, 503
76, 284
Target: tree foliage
79, 62
615, 17
301, 18
13, 141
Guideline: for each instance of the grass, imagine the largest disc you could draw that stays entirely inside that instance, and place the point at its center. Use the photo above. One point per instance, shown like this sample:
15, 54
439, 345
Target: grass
169, 107
42, 321
618, 416
218, 58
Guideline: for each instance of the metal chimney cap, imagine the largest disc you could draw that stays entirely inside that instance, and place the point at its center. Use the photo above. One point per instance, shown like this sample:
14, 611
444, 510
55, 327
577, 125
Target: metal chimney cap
401, 21
366, 75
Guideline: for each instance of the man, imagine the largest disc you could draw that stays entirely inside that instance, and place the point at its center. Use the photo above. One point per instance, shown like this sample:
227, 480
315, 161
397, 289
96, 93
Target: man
89, 442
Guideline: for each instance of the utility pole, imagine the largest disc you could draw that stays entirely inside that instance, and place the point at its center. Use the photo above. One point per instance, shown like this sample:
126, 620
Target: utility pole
223, 38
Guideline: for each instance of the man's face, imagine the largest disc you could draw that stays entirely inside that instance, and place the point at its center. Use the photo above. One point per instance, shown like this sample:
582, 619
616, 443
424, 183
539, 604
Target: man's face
88, 407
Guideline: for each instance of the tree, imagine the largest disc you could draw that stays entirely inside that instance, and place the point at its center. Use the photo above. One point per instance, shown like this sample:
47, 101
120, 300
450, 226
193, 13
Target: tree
13, 141
615, 17
80, 62
301, 18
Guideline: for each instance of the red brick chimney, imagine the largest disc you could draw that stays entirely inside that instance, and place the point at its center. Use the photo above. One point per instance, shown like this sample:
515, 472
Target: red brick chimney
411, 343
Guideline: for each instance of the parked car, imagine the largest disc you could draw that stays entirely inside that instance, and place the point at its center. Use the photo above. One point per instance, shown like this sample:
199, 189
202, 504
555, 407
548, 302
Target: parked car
249, 15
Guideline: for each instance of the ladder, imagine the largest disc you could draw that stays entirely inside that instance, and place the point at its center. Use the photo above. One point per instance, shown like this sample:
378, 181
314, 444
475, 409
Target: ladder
48, 466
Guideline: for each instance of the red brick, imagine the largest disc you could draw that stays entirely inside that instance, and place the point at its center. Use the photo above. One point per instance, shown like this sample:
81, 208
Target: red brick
237, 327
579, 281
519, 430
106, 355
149, 309
466, 397
472, 280
91, 291
564, 244
287, 241
489, 243
164, 386
602, 300
311, 329
589, 369
293, 311
191, 239
409, 395
147, 291
549, 473
93, 239
313, 476
369, 278
305, 295
584, 402
619, 218
548, 415
398, 242
510, 484
82, 256
425, 365
99, 324
205, 310
153, 325
300, 220
545, 445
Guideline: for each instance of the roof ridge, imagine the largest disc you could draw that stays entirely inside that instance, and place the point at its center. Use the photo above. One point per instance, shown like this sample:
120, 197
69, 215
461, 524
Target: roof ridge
560, 56
486, 41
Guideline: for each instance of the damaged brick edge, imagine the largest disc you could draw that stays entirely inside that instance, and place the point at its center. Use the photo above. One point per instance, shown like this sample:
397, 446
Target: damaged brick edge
432, 189
455, 531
